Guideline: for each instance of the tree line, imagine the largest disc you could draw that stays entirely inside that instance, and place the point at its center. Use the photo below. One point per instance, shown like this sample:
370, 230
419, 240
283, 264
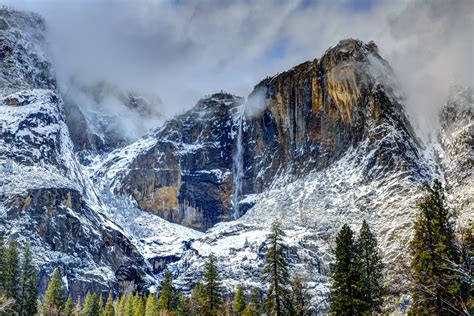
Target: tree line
438, 278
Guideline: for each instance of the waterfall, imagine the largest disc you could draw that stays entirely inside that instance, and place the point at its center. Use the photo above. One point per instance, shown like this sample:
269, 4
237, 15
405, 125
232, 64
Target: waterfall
238, 167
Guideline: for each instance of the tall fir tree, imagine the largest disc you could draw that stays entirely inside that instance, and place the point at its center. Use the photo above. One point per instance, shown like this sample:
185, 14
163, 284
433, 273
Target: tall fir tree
239, 301
100, 304
182, 306
2, 265
197, 303
54, 296
467, 251
255, 303
29, 284
346, 297
120, 310
87, 307
436, 271
69, 307
109, 305
128, 309
151, 307
371, 269
167, 296
138, 306
275, 271
12, 274
212, 285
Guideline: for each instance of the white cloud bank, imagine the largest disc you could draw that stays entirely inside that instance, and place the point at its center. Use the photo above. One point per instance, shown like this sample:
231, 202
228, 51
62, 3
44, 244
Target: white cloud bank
182, 50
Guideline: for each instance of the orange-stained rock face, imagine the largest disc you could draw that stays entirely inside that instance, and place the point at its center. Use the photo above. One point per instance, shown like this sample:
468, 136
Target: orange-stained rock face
311, 116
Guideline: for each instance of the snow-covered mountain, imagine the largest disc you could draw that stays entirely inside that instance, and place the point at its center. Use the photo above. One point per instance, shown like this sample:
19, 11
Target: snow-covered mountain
323, 144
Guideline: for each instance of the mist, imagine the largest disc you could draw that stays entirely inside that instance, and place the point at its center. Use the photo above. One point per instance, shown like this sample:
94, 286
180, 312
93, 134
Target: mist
183, 50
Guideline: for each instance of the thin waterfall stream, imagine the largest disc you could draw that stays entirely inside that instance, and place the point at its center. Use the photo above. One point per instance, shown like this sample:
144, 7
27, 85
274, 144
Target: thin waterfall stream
238, 167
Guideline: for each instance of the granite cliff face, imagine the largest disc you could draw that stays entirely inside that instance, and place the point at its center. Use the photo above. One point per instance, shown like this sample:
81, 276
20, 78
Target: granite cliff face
308, 118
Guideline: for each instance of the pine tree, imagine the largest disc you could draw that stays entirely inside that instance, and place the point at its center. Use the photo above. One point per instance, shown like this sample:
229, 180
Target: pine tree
435, 267
138, 306
12, 274
120, 310
100, 304
239, 301
69, 307
167, 297
128, 310
467, 251
275, 271
212, 285
151, 307
300, 302
2, 265
109, 306
88, 302
182, 306
197, 304
29, 284
255, 303
371, 268
346, 296
54, 297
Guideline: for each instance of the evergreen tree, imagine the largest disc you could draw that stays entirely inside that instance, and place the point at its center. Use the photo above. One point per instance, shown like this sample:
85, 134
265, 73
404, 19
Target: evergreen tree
300, 302
138, 306
346, 296
128, 309
109, 306
197, 304
120, 310
54, 298
371, 268
239, 301
435, 267
182, 305
2, 265
254, 307
151, 307
88, 302
248, 311
275, 271
212, 285
69, 307
29, 284
12, 274
467, 251
100, 304
167, 297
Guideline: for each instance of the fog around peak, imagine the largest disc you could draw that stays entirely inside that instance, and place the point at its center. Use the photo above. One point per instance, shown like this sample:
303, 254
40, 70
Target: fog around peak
183, 50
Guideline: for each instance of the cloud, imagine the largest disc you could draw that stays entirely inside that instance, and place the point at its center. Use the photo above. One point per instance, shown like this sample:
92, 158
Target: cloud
182, 50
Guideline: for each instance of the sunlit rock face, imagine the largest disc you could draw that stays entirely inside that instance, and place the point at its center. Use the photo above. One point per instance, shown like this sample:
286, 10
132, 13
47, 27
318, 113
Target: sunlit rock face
306, 119
186, 177
318, 110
